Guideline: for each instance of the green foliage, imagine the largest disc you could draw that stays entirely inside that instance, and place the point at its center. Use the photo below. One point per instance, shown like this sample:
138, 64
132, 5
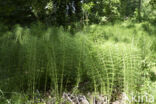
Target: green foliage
68, 12
107, 59
150, 12
87, 7
79, 55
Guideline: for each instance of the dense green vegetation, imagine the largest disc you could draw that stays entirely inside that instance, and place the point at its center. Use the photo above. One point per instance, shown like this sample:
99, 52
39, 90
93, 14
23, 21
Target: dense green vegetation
103, 47
107, 59
67, 12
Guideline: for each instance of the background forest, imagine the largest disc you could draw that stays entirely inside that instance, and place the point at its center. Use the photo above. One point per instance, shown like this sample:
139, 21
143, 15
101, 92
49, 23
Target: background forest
94, 48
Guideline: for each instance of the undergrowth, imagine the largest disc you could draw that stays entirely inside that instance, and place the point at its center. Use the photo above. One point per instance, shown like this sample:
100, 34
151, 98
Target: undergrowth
109, 59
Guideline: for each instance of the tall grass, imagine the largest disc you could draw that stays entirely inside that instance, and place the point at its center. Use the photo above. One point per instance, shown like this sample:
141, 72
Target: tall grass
49, 59
131, 52
102, 59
